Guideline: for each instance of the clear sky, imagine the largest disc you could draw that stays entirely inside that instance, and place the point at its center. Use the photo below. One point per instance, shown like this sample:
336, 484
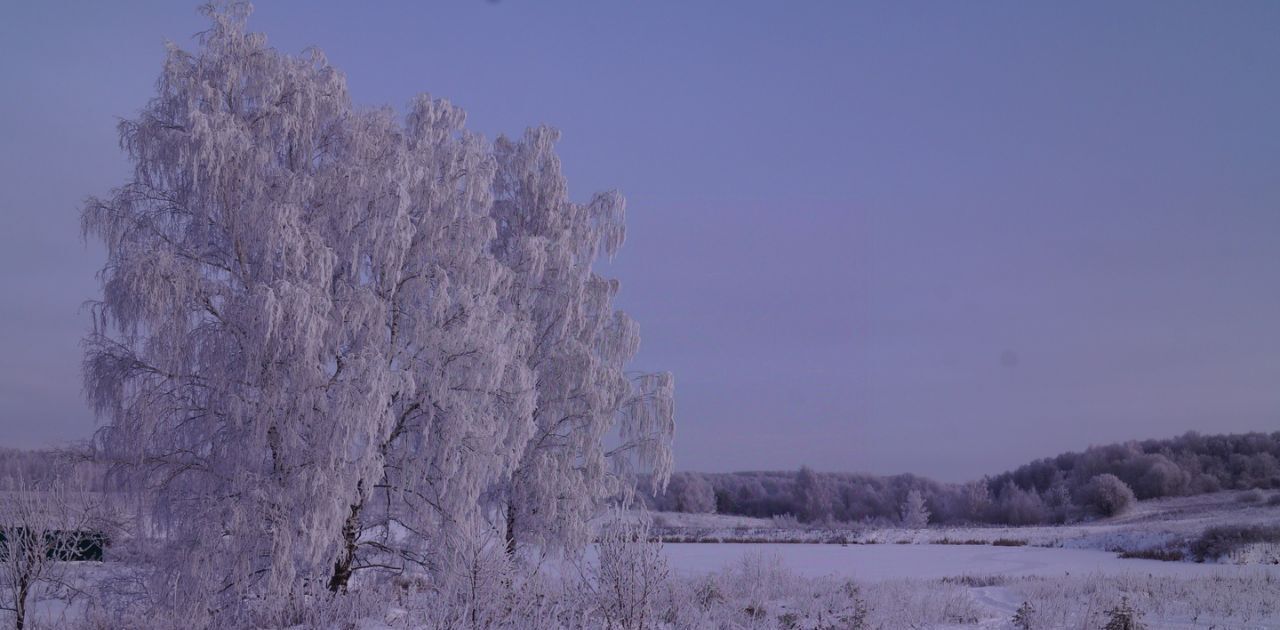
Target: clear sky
942, 238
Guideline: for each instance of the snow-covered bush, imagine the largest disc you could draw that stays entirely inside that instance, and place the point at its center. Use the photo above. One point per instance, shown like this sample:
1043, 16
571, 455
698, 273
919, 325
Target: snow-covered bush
628, 575
1124, 617
1023, 617
1107, 495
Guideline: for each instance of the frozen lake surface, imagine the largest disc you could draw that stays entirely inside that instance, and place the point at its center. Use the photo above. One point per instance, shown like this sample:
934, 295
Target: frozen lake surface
882, 562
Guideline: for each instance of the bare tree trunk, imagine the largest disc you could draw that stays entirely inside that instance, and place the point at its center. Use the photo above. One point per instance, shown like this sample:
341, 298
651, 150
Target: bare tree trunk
342, 568
511, 529
20, 606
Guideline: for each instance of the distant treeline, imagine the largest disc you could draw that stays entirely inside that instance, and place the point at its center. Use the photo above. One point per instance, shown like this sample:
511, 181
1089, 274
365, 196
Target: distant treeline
1100, 481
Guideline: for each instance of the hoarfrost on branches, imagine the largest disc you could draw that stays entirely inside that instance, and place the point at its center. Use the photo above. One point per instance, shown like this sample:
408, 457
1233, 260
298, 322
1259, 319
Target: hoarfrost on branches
326, 334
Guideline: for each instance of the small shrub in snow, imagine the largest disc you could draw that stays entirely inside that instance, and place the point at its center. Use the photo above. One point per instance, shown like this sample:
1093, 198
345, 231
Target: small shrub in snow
708, 594
628, 575
1022, 617
855, 618
1124, 617
789, 621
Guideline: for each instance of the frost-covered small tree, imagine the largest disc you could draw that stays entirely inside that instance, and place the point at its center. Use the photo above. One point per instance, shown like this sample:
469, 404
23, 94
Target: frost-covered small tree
1124, 617
1023, 617
39, 529
1106, 495
627, 577
593, 423
915, 514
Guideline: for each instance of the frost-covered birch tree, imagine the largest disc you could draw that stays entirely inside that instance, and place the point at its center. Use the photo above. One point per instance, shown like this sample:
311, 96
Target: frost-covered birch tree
295, 289
326, 331
593, 422
227, 356
915, 514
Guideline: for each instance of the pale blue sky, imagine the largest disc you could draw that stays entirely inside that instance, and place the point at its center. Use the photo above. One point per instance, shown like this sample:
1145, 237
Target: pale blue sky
943, 237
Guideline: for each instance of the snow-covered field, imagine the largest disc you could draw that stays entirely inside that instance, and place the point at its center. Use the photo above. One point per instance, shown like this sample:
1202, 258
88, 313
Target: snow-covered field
956, 586
883, 587
1150, 524
881, 562
1065, 577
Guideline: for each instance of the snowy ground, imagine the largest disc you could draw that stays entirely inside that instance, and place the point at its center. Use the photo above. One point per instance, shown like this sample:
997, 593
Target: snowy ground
1148, 525
1069, 576
979, 586
811, 586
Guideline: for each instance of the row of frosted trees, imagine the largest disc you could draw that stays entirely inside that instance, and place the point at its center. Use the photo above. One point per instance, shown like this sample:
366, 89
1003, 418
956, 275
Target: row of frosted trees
815, 497
1098, 481
333, 338
1095, 482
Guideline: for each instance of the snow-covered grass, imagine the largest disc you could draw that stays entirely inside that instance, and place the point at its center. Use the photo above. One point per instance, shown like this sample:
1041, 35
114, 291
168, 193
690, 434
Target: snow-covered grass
1245, 599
